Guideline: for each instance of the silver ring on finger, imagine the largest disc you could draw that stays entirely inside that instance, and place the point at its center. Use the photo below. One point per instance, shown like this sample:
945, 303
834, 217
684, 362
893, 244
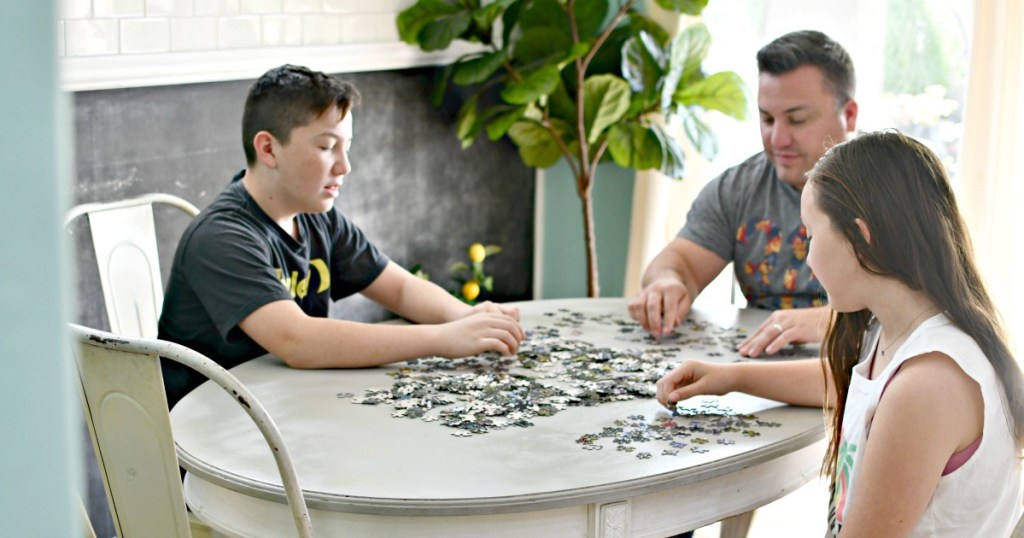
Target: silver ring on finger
778, 327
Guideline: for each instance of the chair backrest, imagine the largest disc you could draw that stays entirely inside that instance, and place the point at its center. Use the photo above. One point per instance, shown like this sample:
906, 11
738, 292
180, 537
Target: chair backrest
124, 239
126, 411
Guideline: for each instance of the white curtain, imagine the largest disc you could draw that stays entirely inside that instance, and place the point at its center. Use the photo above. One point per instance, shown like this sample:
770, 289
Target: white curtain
991, 185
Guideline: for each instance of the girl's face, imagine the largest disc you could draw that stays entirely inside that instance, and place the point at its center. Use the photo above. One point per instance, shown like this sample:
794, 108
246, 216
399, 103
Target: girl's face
832, 258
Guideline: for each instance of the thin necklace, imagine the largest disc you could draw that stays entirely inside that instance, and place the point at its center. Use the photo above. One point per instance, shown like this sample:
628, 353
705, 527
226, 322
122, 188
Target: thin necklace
909, 325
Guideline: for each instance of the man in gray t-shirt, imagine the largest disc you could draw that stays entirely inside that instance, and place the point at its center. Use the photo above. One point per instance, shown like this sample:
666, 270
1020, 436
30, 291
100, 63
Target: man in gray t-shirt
750, 215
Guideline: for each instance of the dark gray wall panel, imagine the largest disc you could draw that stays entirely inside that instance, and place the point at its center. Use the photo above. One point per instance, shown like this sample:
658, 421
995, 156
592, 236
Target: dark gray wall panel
413, 190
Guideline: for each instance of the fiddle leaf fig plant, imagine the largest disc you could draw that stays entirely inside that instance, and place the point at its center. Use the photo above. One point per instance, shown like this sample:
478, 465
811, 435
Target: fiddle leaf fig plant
585, 80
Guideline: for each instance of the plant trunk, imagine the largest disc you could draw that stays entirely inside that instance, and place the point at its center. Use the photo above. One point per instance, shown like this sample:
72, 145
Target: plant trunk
593, 288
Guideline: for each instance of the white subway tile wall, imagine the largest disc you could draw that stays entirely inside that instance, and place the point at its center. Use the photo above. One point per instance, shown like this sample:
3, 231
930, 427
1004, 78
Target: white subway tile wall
145, 35
122, 27
118, 8
241, 32
76, 9
91, 37
169, 8
282, 30
193, 34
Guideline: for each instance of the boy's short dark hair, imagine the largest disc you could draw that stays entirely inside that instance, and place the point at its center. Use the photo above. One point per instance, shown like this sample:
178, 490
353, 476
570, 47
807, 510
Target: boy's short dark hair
810, 47
287, 97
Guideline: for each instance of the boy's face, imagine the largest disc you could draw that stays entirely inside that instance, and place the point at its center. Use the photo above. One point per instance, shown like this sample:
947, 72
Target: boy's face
799, 120
313, 164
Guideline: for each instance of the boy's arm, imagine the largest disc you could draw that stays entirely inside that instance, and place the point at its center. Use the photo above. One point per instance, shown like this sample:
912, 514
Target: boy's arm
303, 341
799, 382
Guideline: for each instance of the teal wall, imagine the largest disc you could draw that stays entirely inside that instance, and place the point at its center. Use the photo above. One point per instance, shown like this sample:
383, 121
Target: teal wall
564, 270
39, 454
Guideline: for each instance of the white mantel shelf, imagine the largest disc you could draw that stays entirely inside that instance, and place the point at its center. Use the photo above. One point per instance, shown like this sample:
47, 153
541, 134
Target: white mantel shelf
140, 70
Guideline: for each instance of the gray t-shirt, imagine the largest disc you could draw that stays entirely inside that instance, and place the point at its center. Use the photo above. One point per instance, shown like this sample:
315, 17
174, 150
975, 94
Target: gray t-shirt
750, 217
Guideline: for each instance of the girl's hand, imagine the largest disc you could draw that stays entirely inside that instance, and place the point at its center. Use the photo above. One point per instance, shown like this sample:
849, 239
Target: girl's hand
694, 378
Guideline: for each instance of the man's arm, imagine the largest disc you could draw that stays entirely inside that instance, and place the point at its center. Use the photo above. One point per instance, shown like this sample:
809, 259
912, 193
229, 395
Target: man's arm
453, 329
671, 282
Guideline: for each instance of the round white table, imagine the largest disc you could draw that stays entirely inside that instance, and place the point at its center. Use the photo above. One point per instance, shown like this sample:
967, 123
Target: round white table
367, 473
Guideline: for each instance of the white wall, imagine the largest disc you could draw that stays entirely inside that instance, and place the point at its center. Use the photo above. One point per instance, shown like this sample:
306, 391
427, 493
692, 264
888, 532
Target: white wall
125, 43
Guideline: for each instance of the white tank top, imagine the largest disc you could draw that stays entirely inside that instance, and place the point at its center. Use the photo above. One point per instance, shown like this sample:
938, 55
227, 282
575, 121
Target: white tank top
983, 496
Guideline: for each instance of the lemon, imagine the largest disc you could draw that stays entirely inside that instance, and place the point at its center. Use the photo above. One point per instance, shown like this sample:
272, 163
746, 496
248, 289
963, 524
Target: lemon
477, 252
471, 290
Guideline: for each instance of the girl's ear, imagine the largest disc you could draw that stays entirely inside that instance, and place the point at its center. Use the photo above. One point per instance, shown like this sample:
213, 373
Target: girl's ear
264, 143
865, 232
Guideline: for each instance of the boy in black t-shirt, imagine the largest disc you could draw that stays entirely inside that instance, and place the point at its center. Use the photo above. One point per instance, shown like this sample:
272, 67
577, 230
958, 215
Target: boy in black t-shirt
256, 271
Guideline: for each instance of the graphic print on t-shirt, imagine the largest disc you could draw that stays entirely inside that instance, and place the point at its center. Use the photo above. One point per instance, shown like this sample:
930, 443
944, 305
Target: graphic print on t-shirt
299, 287
770, 286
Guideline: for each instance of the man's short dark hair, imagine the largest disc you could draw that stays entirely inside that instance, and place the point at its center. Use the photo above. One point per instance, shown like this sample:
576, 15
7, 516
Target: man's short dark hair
810, 47
291, 96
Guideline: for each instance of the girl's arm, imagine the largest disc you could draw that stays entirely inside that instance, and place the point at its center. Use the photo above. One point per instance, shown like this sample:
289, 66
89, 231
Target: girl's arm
929, 411
800, 382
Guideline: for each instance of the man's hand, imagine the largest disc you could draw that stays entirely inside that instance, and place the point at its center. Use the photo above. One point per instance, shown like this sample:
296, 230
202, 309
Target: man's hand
785, 327
661, 306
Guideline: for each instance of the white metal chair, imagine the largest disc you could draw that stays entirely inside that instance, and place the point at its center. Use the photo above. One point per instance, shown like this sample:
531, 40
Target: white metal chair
125, 242
126, 410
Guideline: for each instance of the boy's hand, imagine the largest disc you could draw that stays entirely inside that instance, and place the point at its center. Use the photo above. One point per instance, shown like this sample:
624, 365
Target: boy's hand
693, 378
488, 306
479, 332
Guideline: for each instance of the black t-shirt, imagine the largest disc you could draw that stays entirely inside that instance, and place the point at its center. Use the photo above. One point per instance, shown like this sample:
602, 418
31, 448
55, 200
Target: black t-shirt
233, 259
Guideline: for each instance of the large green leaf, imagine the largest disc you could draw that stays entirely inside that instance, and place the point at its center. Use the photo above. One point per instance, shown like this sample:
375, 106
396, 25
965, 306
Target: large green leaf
561, 104
690, 7
689, 48
440, 33
412, 20
509, 22
605, 101
724, 92
699, 134
441, 84
549, 13
643, 66
541, 45
673, 162
686, 52
537, 146
478, 69
632, 145
590, 15
503, 120
536, 85
466, 122
485, 16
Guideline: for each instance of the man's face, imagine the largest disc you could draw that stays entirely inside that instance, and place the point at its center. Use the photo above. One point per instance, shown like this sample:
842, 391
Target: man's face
800, 120
312, 165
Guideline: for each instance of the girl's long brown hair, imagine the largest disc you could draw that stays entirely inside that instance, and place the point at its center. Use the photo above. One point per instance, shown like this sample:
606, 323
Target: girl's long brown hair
899, 188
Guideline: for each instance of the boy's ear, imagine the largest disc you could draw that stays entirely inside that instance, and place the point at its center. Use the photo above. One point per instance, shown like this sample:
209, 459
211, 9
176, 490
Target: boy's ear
865, 232
264, 143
